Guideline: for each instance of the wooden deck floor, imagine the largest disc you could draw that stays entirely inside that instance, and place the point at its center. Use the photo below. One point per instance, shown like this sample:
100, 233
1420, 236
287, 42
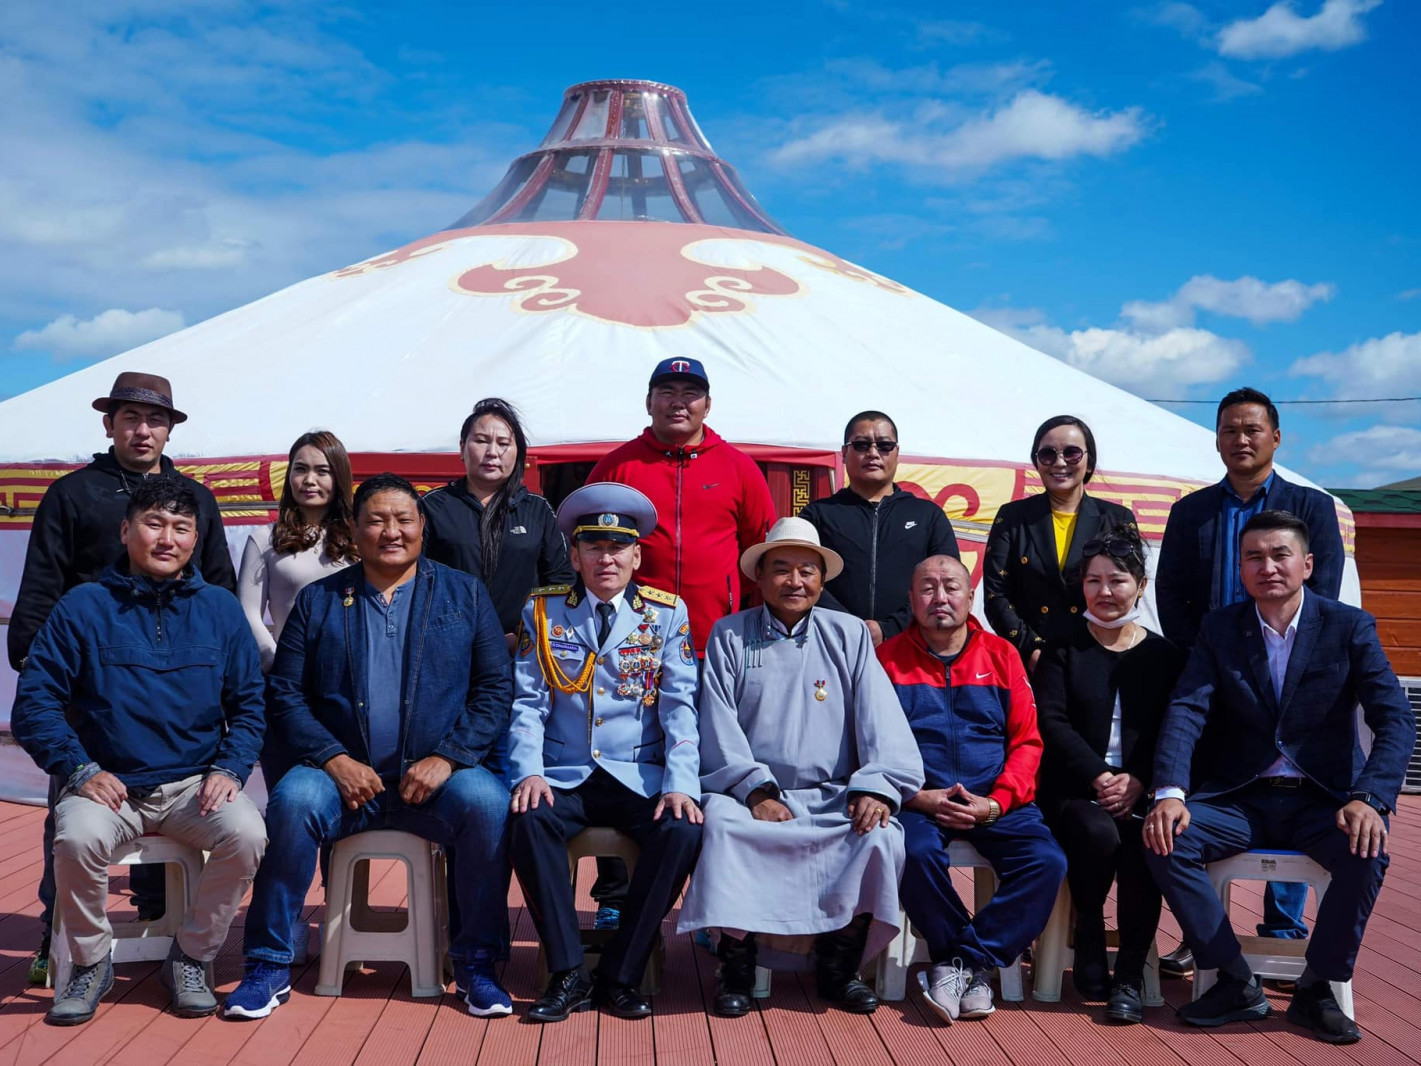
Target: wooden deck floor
377, 1022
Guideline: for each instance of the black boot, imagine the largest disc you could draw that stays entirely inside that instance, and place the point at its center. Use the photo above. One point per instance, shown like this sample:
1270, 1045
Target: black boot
839, 955
737, 975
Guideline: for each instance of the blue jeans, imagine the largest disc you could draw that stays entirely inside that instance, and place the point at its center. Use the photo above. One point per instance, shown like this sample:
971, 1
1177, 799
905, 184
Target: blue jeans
305, 812
1283, 903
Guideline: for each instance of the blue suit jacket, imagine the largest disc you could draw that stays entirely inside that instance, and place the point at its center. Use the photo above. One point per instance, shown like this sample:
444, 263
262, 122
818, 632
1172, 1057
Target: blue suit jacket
637, 721
457, 685
1185, 578
1224, 720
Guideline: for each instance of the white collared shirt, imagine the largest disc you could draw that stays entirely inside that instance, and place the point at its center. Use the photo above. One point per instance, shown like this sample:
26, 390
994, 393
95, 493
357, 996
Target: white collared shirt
1280, 649
615, 601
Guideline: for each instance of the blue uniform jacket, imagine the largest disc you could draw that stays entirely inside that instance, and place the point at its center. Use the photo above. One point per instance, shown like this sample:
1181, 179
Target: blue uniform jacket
638, 719
457, 689
1185, 578
1224, 719
154, 683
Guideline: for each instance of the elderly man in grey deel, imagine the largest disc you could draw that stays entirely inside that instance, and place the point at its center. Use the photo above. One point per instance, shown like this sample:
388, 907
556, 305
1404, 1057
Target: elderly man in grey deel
805, 757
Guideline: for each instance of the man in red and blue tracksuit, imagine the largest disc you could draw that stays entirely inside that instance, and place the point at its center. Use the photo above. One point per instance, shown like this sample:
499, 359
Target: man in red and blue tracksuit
974, 717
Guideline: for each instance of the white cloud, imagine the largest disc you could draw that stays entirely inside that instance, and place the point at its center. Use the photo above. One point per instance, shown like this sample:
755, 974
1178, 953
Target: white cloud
107, 333
1409, 294
1381, 366
1147, 363
1226, 84
1381, 450
1032, 126
1186, 18
1281, 32
1247, 297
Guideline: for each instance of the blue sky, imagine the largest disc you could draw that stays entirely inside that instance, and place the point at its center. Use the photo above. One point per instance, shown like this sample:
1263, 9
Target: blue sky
1178, 198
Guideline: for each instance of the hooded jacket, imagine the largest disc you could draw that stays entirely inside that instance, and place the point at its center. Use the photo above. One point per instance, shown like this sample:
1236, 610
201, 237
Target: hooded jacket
880, 544
75, 538
533, 552
153, 681
711, 503
974, 720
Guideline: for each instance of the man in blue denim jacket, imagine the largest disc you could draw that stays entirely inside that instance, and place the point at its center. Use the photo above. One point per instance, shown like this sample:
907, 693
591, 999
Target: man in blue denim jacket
143, 693
390, 686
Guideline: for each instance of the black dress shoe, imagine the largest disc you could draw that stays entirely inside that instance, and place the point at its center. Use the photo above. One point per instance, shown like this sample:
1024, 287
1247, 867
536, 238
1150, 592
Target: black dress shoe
623, 1000
853, 996
567, 992
1178, 963
1229, 1000
1316, 1008
1126, 1004
736, 976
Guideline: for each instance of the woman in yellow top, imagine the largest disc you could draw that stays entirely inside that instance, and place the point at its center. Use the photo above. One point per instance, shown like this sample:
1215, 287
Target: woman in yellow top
1035, 540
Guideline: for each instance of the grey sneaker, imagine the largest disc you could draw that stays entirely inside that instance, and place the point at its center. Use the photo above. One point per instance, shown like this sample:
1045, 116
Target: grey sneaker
977, 1000
87, 985
943, 985
186, 978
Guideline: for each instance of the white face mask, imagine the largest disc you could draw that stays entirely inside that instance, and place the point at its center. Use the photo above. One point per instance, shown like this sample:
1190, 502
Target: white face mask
1115, 623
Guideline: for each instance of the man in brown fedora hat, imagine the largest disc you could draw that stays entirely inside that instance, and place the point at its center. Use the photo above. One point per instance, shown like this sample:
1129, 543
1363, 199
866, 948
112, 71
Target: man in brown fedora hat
75, 537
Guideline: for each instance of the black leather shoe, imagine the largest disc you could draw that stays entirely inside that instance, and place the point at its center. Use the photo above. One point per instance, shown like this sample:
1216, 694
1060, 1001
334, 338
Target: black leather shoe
1178, 963
567, 993
1316, 1008
1126, 1004
622, 1000
853, 996
1090, 974
736, 976
1229, 1000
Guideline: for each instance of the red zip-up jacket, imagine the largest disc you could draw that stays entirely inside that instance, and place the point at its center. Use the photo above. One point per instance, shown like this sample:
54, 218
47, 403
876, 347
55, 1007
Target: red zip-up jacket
974, 721
711, 502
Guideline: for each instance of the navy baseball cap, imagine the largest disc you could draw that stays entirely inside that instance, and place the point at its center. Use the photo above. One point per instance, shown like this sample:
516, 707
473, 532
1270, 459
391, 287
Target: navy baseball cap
678, 367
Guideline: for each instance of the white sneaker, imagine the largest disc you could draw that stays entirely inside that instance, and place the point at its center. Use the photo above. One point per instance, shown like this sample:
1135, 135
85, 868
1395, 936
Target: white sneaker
977, 1000
943, 985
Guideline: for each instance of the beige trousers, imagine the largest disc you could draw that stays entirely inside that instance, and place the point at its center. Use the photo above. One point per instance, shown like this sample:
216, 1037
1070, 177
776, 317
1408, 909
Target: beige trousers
87, 833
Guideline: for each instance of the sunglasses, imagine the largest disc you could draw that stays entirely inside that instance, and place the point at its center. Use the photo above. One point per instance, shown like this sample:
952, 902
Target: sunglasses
1115, 547
1070, 453
885, 447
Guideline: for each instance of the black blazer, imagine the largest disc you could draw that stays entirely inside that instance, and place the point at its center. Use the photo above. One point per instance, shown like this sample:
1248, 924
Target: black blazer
1185, 579
1076, 684
1028, 600
1224, 727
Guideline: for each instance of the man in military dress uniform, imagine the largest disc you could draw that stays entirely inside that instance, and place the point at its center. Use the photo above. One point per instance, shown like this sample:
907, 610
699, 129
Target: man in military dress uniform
604, 734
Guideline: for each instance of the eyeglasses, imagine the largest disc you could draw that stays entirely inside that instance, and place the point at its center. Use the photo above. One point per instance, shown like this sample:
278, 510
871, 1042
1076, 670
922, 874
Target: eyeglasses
885, 447
1115, 547
1070, 453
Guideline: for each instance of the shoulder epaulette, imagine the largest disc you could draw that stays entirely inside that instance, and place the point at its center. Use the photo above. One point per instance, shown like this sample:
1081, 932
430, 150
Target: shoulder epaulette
551, 590
657, 596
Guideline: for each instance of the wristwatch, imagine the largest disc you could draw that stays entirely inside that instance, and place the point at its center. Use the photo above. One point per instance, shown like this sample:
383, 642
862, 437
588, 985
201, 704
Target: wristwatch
994, 811
1372, 802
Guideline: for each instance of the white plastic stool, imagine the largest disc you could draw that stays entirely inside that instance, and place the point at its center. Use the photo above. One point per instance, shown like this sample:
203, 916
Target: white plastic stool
141, 941
906, 948
603, 842
1282, 960
356, 933
1054, 955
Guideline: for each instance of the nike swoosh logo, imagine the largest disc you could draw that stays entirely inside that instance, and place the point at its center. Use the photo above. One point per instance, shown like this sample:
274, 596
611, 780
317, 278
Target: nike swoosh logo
910, 525
712, 485
987, 674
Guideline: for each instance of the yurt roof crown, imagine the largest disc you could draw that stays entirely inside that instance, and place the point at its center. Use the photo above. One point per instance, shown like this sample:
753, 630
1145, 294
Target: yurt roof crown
622, 150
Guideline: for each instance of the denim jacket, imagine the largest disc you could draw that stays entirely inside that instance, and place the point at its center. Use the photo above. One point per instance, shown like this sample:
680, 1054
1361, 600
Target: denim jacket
457, 683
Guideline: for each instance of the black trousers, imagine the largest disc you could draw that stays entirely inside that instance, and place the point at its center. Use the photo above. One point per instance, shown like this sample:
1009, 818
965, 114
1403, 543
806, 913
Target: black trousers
1101, 849
537, 844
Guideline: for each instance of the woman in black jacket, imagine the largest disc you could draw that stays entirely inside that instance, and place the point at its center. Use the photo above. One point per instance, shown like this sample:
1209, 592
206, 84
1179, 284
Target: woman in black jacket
487, 524
1100, 697
1036, 540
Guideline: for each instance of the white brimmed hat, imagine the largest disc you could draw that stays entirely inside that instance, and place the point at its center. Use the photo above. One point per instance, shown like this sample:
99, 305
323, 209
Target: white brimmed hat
792, 533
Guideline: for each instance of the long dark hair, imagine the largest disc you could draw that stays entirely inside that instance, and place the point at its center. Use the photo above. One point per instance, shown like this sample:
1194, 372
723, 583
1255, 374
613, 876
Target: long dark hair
292, 534
494, 519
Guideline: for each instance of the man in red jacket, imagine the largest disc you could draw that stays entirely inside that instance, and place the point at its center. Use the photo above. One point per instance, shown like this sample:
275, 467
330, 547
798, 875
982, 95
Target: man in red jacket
711, 498
973, 715
712, 503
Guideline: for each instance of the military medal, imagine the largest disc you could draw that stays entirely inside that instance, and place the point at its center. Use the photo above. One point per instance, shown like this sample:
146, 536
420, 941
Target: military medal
349, 600
819, 691
557, 631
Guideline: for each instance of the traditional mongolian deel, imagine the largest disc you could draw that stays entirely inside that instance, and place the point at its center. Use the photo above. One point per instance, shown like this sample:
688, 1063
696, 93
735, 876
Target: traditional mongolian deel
814, 714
